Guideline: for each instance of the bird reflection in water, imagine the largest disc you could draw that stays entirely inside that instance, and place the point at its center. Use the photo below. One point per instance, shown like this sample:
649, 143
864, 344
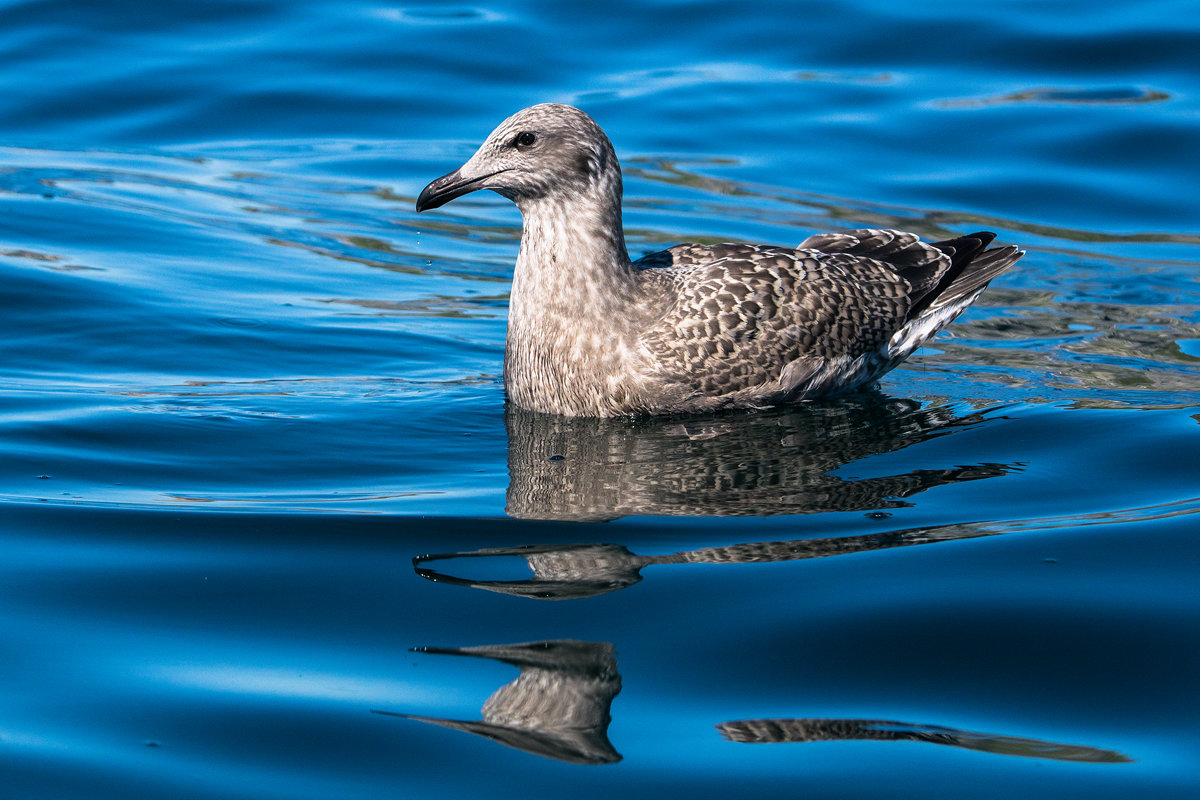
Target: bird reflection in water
758, 731
775, 461
558, 707
574, 571
763, 463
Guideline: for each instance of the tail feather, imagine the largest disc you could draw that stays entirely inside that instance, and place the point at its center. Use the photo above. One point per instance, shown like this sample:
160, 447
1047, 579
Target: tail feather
972, 268
981, 271
963, 252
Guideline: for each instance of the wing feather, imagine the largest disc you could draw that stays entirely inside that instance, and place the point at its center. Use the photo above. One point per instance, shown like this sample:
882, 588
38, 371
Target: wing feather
761, 318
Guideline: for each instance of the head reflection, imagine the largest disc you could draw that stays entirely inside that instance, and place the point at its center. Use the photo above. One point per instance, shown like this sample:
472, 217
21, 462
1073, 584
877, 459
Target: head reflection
558, 707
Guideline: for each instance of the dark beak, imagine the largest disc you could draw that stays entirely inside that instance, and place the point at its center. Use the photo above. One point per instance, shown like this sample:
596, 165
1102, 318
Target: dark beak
448, 187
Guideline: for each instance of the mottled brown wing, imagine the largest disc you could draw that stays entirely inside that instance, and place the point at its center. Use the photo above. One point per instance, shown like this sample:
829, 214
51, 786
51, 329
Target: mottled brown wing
743, 313
923, 265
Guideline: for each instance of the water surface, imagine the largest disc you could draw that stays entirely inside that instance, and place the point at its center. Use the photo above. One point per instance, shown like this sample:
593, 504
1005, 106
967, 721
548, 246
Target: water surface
243, 386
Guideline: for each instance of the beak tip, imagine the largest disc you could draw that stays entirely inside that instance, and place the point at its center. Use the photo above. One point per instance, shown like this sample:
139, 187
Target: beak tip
426, 200
451, 186
442, 191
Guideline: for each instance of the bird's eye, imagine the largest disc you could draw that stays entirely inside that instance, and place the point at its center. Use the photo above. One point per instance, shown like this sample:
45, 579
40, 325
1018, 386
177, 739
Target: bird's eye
525, 139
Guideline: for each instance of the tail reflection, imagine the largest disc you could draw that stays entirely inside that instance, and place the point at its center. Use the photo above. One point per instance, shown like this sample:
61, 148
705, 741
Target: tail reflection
775, 461
558, 707
573, 571
758, 731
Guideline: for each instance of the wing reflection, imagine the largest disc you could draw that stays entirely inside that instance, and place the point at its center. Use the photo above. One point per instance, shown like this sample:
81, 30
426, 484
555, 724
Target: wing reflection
558, 707
775, 461
758, 731
573, 571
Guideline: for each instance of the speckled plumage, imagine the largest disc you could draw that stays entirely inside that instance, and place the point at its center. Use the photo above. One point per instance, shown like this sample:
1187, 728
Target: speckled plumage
694, 327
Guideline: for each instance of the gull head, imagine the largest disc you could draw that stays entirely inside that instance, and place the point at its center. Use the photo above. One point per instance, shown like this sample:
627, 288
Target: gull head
547, 152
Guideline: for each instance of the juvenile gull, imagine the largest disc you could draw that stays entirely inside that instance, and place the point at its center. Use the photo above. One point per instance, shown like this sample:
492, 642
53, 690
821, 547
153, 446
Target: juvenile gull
694, 327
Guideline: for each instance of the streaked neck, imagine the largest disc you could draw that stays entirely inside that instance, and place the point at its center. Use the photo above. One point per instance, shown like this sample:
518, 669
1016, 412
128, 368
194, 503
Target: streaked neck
573, 259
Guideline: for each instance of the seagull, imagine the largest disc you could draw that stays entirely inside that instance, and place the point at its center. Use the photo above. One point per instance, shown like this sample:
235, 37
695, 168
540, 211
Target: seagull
695, 327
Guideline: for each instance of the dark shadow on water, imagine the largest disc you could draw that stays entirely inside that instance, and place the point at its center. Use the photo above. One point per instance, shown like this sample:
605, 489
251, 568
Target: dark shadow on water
760, 731
558, 707
765, 463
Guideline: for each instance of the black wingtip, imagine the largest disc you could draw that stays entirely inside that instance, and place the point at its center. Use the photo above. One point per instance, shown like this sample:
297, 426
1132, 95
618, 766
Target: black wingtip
965, 274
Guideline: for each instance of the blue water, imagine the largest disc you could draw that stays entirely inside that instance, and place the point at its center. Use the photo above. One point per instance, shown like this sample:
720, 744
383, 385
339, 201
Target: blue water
243, 385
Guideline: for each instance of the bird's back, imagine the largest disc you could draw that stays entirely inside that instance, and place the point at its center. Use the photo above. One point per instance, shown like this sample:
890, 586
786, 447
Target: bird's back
758, 324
